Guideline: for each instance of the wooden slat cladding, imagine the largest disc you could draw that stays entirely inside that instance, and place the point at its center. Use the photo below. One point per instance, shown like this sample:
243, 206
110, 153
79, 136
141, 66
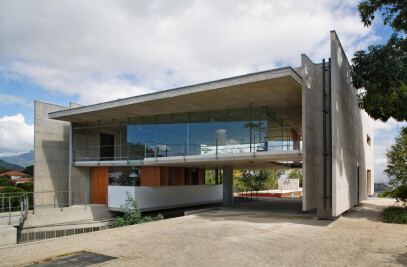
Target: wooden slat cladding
177, 176
100, 182
164, 176
150, 176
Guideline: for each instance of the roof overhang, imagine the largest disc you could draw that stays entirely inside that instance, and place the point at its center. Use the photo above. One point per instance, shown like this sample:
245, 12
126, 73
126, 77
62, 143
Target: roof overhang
279, 89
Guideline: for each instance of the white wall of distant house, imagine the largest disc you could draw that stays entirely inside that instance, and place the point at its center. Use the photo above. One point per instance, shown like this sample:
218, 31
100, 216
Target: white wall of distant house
149, 197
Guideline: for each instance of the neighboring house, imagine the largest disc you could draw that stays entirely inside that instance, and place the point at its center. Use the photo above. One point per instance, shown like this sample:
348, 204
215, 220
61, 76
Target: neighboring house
14, 174
158, 146
22, 180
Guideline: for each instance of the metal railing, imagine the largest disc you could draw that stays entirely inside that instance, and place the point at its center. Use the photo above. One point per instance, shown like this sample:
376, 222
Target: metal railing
12, 202
172, 147
24, 201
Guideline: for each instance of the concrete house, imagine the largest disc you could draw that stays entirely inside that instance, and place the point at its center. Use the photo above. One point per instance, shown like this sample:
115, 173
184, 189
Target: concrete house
158, 146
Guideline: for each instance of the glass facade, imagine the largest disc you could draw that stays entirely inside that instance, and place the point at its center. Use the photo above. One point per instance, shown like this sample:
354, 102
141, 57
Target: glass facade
241, 130
208, 132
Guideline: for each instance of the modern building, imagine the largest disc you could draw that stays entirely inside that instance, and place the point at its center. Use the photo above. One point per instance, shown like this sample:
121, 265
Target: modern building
158, 146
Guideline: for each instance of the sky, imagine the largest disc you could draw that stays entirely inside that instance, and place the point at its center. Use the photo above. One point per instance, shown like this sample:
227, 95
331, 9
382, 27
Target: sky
93, 51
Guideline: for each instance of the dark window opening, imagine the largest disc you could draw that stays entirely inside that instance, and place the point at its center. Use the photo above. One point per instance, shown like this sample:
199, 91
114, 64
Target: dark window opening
106, 146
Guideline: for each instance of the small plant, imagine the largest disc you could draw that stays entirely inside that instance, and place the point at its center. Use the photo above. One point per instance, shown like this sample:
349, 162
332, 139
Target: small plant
131, 214
395, 215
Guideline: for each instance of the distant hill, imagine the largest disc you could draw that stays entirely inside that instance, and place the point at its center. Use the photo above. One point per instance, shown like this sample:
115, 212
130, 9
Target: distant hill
24, 160
380, 187
9, 166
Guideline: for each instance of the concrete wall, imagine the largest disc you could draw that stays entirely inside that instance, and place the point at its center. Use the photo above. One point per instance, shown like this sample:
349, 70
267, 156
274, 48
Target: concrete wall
8, 235
51, 157
44, 217
149, 198
350, 128
289, 184
311, 132
86, 142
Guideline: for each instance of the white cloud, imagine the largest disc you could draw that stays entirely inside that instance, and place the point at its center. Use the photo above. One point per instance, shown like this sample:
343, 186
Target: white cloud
83, 47
12, 100
16, 136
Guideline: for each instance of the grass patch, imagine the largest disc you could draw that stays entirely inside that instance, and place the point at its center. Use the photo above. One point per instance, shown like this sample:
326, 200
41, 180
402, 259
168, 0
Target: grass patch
395, 215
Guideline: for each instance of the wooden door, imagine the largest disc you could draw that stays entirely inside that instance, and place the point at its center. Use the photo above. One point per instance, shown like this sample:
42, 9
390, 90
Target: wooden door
100, 182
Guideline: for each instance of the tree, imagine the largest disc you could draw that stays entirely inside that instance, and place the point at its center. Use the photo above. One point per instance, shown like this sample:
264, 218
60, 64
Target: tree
29, 170
397, 160
382, 71
7, 181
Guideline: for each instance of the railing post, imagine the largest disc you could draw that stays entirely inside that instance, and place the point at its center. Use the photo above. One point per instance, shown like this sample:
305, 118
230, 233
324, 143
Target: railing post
9, 211
22, 210
254, 146
184, 150
216, 149
2, 203
155, 151
85, 199
54, 200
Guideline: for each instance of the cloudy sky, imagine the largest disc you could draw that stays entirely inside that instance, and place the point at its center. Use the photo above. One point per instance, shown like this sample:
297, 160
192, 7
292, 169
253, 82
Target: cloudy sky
93, 51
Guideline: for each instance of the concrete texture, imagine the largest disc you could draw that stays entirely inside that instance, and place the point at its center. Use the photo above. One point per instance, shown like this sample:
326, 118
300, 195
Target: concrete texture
51, 160
43, 217
279, 88
8, 235
350, 126
246, 236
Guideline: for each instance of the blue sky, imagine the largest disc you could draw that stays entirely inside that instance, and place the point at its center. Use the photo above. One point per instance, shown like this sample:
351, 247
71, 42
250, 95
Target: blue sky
88, 52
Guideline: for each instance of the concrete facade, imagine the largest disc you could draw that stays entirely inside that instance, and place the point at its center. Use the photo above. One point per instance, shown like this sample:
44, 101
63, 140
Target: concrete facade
329, 133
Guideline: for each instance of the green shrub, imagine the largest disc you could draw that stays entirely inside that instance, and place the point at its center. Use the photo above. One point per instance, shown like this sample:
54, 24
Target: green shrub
400, 194
131, 214
7, 181
395, 215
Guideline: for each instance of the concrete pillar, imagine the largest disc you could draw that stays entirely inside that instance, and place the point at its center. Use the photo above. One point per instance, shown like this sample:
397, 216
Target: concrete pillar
227, 186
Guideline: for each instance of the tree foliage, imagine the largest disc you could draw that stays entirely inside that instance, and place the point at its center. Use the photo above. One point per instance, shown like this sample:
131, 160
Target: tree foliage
257, 180
397, 160
7, 181
132, 214
29, 170
382, 71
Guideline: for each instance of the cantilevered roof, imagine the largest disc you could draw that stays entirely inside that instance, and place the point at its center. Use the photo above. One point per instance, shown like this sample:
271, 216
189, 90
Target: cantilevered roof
279, 89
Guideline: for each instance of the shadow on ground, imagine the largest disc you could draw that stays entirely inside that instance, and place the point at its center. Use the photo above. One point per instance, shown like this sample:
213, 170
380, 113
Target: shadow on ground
267, 210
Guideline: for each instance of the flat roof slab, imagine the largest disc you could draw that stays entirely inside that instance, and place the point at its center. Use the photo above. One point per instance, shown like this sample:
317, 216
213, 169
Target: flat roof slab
280, 89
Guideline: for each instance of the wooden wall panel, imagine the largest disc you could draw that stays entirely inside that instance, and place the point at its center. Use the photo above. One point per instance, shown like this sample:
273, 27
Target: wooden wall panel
164, 176
150, 176
201, 176
177, 175
187, 178
100, 182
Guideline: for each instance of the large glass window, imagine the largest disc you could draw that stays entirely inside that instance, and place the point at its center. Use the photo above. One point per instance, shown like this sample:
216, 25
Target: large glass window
206, 132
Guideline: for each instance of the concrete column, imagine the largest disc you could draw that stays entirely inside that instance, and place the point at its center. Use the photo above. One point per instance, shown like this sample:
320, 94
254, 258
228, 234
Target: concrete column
227, 186
70, 164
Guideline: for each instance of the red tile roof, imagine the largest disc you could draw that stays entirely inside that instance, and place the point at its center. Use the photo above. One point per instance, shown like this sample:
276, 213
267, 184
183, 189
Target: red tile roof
13, 173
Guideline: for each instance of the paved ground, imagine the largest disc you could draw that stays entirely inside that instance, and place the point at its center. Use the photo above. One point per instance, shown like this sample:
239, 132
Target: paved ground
249, 234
